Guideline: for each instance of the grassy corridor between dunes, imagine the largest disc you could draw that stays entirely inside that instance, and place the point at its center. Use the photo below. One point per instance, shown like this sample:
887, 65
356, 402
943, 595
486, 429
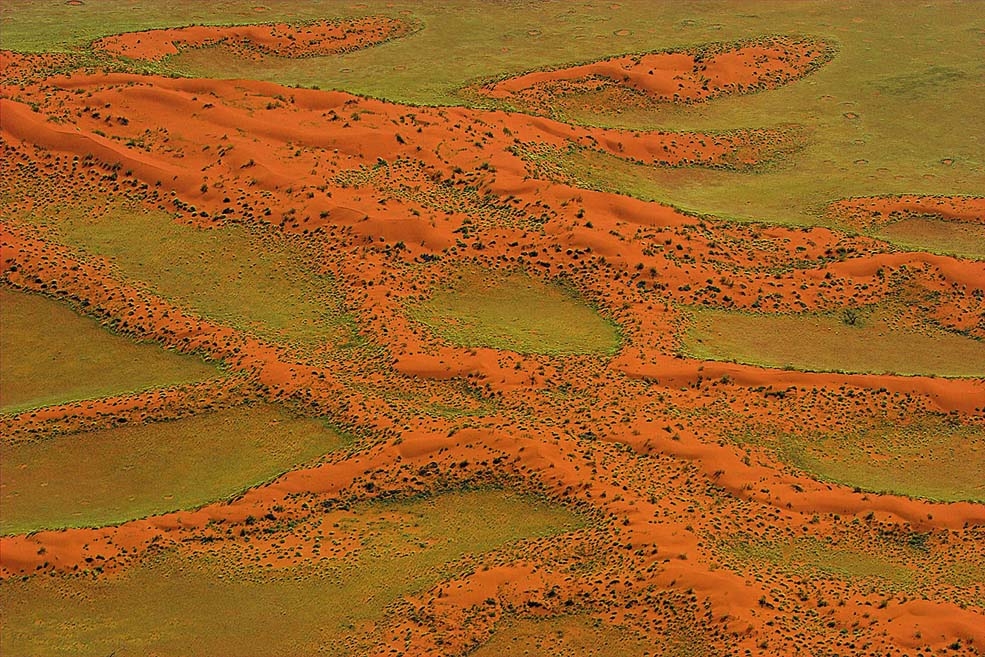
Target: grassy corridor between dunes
947, 237
51, 355
565, 635
827, 344
109, 476
516, 312
808, 555
235, 275
930, 456
213, 603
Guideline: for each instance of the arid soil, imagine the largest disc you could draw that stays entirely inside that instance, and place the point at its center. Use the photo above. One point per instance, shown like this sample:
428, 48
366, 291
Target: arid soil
681, 76
396, 200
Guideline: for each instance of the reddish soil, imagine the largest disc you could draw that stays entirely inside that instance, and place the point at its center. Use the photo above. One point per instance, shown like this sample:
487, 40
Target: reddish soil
397, 198
681, 76
282, 39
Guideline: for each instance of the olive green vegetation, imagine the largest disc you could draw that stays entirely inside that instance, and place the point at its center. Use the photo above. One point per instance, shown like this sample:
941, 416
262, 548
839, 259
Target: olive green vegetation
883, 114
109, 476
604, 172
930, 456
826, 343
51, 355
180, 605
809, 556
892, 562
945, 237
934, 462
516, 312
253, 280
564, 635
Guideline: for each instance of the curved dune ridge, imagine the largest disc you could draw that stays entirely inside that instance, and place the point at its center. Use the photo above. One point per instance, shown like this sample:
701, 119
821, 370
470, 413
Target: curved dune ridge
397, 202
680, 76
282, 39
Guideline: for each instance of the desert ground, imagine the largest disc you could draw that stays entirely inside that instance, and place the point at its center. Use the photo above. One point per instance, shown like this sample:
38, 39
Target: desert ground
492, 329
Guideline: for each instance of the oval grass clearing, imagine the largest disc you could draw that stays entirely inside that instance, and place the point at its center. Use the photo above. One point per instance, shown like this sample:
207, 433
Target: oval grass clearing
929, 456
964, 240
823, 343
52, 355
516, 312
113, 475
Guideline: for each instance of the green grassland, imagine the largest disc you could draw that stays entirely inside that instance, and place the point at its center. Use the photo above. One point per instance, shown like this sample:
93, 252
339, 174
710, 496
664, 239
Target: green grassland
934, 462
931, 457
883, 564
889, 563
515, 312
564, 635
233, 274
172, 605
112, 475
880, 115
825, 343
52, 355
945, 237
811, 556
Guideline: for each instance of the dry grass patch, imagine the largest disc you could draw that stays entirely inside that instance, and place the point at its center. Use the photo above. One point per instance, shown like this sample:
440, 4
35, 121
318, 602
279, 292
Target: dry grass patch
825, 343
516, 312
51, 355
109, 476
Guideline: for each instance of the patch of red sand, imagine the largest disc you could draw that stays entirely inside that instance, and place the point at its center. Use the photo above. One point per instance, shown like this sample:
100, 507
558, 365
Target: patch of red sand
683, 76
282, 39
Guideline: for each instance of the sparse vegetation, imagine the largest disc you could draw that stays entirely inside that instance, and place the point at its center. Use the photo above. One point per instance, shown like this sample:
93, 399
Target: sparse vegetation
75, 358
516, 312
112, 475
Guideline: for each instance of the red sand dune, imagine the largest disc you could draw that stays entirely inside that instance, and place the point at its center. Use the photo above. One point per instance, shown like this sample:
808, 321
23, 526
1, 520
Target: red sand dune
684, 76
395, 199
281, 39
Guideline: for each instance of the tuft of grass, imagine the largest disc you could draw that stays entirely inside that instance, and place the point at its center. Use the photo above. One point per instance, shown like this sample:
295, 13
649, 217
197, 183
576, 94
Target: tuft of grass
824, 343
175, 604
51, 355
109, 476
515, 312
